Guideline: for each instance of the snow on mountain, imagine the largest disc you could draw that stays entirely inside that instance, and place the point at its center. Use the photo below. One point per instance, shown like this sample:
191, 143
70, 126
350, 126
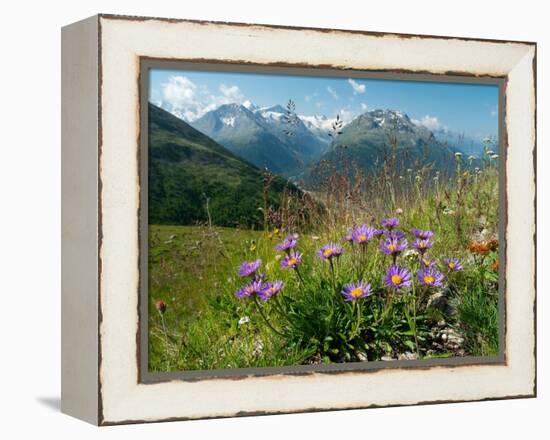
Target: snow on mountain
250, 106
261, 136
230, 120
319, 125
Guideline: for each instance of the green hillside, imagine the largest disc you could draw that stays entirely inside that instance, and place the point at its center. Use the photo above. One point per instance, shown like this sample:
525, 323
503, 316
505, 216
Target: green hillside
186, 168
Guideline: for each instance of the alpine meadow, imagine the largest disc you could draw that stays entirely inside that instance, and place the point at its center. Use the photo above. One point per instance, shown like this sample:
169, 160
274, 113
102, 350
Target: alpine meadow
313, 220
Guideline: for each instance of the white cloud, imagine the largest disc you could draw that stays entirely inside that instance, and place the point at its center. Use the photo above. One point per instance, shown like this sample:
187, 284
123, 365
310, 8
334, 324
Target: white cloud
357, 88
231, 92
183, 98
347, 115
494, 111
430, 122
332, 92
180, 93
364, 107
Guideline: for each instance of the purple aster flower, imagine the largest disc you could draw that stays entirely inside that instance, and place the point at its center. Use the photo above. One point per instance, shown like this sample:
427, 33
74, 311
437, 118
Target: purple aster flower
397, 278
422, 235
355, 291
426, 262
289, 242
291, 261
349, 236
430, 277
393, 246
453, 264
253, 288
390, 223
249, 268
270, 289
363, 234
330, 250
423, 245
394, 235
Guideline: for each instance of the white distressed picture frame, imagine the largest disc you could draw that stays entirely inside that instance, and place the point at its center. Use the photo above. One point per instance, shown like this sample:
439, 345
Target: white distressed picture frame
101, 202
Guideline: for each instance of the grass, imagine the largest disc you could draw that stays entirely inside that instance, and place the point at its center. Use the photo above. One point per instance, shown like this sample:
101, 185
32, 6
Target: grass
193, 269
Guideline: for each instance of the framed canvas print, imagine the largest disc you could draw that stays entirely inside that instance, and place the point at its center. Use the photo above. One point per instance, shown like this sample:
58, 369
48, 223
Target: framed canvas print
262, 219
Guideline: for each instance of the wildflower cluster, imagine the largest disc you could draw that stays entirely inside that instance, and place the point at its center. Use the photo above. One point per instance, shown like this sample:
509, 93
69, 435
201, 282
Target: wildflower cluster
392, 243
334, 292
258, 286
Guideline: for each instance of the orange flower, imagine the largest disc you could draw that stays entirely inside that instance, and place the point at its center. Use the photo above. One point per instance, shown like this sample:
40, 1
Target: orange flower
483, 247
495, 266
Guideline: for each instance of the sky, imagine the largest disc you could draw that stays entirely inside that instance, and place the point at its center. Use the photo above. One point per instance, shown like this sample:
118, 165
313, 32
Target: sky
464, 108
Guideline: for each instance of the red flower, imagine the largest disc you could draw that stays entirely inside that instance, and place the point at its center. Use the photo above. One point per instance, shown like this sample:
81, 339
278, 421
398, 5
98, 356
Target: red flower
161, 306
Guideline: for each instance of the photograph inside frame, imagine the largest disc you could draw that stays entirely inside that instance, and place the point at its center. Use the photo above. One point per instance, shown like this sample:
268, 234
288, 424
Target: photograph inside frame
314, 220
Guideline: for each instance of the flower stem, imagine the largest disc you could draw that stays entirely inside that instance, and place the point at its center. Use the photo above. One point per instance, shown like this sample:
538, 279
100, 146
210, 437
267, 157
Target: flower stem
299, 276
165, 338
357, 307
333, 275
260, 311
414, 322
389, 303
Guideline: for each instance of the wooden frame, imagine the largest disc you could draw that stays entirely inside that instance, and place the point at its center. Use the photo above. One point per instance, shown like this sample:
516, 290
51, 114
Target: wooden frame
102, 58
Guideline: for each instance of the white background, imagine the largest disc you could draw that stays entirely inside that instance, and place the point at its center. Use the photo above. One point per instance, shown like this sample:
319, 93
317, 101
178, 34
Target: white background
30, 218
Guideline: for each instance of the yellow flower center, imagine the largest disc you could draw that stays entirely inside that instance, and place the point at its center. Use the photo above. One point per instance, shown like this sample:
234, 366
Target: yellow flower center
451, 265
362, 238
291, 261
392, 247
357, 292
396, 279
327, 252
428, 279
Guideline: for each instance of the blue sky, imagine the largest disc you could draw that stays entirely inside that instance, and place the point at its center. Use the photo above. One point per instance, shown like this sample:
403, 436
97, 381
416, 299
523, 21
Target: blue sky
464, 108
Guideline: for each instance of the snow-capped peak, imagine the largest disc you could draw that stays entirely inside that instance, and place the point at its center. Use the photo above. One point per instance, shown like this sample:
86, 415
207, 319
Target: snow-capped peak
249, 105
319, 122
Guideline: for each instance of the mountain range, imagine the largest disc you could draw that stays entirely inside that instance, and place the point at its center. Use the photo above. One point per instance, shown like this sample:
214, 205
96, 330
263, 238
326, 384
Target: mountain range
378, 135
261, 136
187, 170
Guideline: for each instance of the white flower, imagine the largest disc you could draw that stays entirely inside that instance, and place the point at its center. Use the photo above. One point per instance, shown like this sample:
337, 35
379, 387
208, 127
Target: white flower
494, 156
490, 152
410, 253
458, 154
471, 157
244, 320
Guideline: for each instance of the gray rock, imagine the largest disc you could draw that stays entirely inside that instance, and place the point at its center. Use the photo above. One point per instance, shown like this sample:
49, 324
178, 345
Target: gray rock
407, 356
